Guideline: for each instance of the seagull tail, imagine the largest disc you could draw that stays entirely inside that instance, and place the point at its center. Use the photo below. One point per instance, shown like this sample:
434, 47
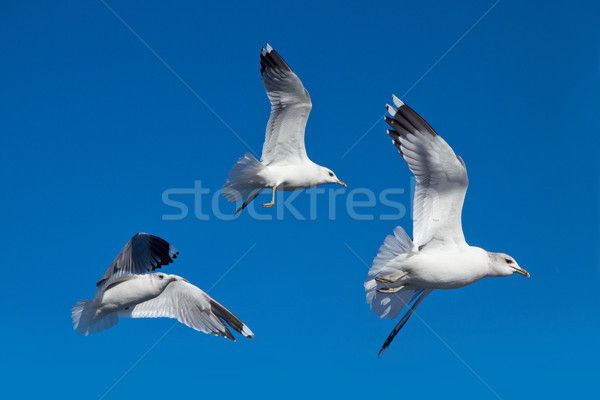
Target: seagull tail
384, 285
244, 181
86, 321
224, 314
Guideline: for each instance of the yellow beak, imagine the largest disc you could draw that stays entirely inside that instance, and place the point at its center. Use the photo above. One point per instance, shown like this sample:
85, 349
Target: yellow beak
521, 271
341, 183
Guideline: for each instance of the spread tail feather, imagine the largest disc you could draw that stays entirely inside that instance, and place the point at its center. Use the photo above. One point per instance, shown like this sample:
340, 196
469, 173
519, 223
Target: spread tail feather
385, 287
388, 264
223, 313
86, 320
244, 182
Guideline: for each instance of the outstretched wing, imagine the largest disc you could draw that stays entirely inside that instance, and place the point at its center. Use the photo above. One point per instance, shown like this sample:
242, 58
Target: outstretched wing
190, 306
143, 253
290, 107
441, 178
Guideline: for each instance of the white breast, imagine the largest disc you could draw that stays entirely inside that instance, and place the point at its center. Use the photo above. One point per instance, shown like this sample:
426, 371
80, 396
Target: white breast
447, 269
291, 177
129, 292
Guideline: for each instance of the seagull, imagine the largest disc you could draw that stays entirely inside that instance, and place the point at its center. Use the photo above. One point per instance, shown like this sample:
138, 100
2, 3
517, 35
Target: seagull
129, 289
284, 164
406, 271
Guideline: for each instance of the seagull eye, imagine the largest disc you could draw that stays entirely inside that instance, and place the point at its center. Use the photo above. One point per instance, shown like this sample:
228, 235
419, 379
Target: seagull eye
161, 276
508, 260
331, 174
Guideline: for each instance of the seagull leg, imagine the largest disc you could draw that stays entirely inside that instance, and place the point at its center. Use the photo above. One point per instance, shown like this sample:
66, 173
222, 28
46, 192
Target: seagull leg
391, 290
272, 200
390, 278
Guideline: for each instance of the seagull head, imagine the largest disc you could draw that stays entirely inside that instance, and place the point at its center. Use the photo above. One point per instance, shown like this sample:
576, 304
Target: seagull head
327, 176
504, 265
163, 280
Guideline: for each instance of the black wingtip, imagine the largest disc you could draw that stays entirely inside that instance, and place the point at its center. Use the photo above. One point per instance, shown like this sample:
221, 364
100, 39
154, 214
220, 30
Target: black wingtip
160, 253
395, 140
251, 197
269, 58
229, 318
229, 335
164, 252
389, 120
390, 338
407, 118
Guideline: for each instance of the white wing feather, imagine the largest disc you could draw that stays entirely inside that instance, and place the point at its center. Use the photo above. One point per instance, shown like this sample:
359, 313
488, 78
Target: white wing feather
290, 107
190, 306
441, 178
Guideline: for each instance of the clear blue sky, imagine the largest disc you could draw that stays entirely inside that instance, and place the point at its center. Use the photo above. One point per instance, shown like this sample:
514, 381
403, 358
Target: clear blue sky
94, 129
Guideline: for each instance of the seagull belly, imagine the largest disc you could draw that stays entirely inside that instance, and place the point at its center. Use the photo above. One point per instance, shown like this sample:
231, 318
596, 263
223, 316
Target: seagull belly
128, 293
446, 270
291, 177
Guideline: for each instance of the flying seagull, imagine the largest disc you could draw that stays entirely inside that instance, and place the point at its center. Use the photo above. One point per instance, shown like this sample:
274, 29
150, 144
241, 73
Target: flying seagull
284, 164
406, 271
129, 289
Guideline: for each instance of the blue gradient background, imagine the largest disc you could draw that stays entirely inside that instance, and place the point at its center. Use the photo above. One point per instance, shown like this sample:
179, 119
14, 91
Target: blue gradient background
94, 128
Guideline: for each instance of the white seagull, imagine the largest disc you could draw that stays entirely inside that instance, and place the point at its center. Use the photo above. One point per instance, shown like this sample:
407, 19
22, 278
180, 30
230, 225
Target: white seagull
129, 290
406, 271
284, 164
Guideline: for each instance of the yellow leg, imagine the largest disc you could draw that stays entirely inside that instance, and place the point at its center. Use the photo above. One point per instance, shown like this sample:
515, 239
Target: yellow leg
272, 203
